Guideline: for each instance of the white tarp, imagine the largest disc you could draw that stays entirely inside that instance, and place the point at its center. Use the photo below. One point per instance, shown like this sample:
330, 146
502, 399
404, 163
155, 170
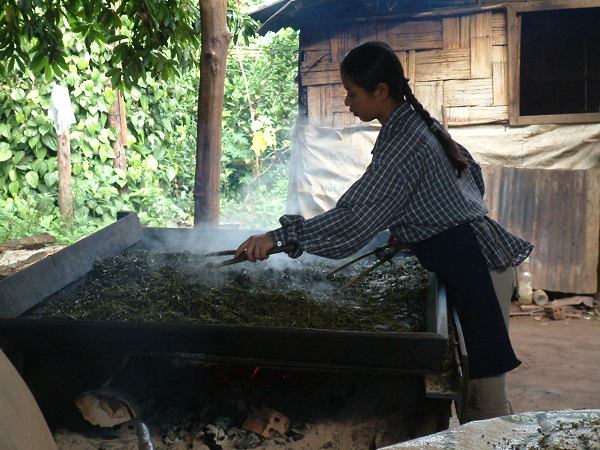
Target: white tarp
326, 161
535, 146
568, 429
61, 110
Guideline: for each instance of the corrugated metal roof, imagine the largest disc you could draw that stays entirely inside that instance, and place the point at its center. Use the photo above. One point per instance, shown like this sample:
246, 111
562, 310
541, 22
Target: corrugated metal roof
299, 13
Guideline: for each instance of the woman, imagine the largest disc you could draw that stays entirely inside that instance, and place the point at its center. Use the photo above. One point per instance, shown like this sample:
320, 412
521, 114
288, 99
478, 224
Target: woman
428, 191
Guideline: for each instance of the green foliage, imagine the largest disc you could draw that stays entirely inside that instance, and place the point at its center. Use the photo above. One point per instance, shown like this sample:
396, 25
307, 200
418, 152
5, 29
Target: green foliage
260, 106
156, 37
161, 118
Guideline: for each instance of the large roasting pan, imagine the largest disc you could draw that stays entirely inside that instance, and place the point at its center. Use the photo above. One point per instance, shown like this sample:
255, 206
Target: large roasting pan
414, 352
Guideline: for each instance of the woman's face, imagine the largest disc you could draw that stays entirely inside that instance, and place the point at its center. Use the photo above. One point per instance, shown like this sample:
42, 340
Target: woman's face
362, 103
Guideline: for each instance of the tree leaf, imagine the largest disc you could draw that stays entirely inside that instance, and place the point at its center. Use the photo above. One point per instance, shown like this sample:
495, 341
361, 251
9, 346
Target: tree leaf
32, 179
49, 141
171, 173
14, 187
5, 153
50, 178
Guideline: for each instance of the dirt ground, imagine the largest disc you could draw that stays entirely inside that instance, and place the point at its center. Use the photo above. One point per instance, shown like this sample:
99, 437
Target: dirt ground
560, 361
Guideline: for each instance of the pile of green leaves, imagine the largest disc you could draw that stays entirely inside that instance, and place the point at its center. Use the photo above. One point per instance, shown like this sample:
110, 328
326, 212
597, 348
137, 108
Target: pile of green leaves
182, 288
161, 117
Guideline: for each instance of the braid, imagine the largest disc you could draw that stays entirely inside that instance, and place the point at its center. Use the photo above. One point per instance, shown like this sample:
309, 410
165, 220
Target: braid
459, 162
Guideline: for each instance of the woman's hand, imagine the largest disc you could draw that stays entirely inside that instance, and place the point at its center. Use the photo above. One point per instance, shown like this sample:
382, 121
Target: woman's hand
255, 247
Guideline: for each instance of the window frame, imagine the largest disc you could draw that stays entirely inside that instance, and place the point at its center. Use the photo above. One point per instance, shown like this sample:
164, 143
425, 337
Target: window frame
513, 21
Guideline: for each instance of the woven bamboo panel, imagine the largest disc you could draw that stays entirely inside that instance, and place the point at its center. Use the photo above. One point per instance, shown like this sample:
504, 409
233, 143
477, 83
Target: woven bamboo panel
556, 210
437, 65
465, 31
475, 92
456, 65
409, 64
315, 60
481, 45
319, 104
472, 115
415, 35
450, 33
338, 95
430, 94
317, 76
500, 74
368, 31
499, 33
342, 42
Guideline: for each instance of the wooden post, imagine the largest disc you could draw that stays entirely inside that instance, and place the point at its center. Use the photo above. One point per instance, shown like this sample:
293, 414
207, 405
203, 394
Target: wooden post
65, 197
215, 42
116, 120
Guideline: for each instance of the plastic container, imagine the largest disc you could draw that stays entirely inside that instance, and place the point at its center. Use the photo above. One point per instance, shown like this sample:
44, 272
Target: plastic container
525, 291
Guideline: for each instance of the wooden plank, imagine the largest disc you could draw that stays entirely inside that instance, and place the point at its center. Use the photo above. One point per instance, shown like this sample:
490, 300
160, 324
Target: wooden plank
558, 118
556, 210
27, 288
465, 32
472, 115
500, 74
320, 77
514, 66
342, 42
435, 65
416, 35
430, 94
475, 92
450, 33
338, 96
481, 45
319, 105
499, 29
315, 60
29, 242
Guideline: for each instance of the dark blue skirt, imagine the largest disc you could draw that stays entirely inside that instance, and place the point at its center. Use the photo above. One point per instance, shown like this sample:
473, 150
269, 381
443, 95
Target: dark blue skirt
455, 256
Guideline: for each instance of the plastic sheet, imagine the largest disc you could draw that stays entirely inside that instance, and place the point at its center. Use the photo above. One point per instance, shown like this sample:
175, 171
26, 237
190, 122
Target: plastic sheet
567, 429
61, 110
326, 161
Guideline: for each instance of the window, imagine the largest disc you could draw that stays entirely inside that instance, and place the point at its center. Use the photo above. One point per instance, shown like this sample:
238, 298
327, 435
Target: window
557, 57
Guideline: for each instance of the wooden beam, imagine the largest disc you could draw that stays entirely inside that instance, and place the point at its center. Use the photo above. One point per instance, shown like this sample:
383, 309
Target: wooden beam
215, 42
514, 65
558, 118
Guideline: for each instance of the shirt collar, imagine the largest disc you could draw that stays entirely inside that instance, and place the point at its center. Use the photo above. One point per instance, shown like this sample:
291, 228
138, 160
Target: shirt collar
394, 119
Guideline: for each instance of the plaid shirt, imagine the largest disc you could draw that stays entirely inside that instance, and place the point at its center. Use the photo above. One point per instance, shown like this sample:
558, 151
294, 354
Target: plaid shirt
410, 188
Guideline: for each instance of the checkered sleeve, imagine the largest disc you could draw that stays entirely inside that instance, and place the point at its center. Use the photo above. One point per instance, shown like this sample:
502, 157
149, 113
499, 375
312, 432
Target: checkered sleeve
370, 205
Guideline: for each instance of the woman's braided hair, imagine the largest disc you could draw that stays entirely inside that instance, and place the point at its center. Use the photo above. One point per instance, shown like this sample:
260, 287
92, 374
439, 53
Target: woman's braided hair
375, 62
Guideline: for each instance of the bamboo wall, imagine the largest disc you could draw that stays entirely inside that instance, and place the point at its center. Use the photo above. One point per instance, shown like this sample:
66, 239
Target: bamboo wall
457, 66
